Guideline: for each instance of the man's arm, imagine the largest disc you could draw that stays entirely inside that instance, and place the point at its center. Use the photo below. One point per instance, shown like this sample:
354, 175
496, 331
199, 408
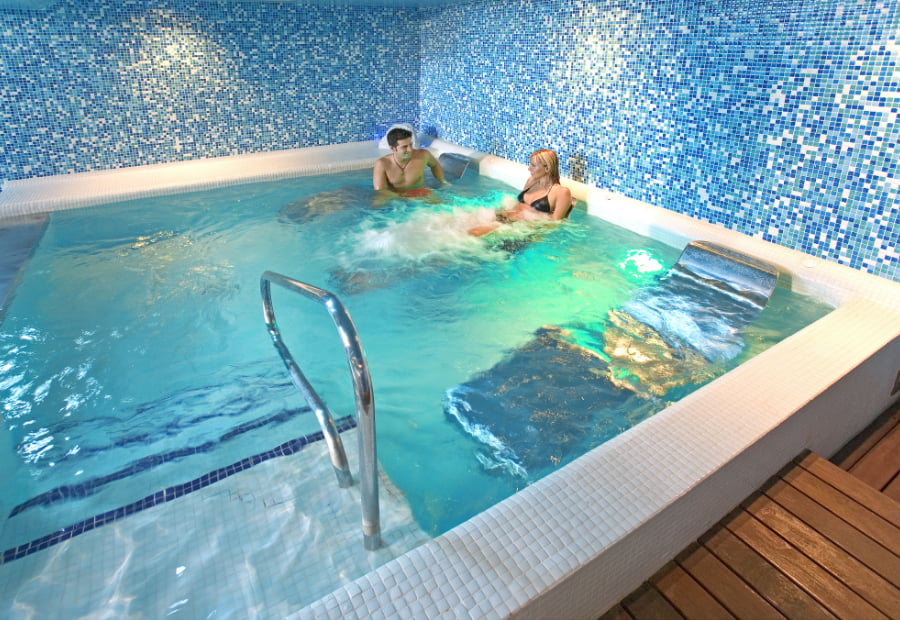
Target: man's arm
436, 169
379, 177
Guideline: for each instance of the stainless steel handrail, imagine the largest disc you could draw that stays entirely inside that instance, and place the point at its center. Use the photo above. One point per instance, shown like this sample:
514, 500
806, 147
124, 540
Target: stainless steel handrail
362, 388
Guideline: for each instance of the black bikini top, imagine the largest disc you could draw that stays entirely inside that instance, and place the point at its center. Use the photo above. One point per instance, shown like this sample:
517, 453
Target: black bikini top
542, 204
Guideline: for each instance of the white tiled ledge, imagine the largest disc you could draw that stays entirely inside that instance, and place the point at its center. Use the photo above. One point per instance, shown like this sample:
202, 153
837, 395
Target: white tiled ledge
574, 543
84, 189
826, 280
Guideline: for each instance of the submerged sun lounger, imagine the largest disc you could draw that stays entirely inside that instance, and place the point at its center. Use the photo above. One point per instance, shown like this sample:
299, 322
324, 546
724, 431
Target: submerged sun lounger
751, 277
599, 379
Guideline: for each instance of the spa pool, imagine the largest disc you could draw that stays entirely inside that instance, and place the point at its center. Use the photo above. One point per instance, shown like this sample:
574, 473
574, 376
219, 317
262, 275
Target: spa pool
414, 282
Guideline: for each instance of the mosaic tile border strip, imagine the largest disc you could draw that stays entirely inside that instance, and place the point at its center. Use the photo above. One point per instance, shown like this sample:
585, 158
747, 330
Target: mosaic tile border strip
94, 485
167, 495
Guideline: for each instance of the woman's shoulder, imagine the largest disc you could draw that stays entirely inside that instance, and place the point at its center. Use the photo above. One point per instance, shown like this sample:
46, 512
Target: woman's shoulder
561, 190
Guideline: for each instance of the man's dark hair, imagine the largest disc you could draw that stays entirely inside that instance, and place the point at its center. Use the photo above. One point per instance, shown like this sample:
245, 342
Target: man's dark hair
396, 134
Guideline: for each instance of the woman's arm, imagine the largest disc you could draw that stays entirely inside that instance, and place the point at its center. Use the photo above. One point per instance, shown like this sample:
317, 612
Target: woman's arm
560, 203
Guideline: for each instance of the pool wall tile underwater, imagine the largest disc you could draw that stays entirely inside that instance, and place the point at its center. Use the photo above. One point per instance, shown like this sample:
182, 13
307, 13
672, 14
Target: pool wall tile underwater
775, 119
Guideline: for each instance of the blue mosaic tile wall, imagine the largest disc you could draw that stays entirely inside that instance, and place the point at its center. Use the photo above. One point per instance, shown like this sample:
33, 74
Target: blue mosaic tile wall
774, 118
777, 119
114, 83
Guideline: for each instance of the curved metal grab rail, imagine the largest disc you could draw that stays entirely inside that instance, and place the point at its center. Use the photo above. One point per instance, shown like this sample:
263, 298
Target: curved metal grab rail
362, 387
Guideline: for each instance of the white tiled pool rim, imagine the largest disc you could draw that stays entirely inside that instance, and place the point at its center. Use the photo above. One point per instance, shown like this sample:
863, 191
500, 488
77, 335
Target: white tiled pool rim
576, 542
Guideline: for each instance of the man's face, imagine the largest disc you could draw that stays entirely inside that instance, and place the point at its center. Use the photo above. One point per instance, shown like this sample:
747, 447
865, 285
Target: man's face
404, 149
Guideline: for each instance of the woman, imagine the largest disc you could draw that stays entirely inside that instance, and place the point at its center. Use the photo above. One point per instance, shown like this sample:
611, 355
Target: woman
543, 198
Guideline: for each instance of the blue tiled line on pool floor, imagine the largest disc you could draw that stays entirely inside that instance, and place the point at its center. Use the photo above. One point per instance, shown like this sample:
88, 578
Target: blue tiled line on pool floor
94, 485
167, 495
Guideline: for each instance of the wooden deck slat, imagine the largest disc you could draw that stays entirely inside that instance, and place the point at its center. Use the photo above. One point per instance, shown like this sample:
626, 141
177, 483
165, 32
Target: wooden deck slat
688, 596
893, 489
861, 445
850, 511
815, 542
616, 613
858, 577
834, 595
648, 604
721, 582
785, 595
847, 484
878, 467
862, 547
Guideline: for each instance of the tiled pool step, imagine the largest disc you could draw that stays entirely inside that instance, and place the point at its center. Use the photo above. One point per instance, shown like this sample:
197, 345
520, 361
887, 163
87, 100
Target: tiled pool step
160, 497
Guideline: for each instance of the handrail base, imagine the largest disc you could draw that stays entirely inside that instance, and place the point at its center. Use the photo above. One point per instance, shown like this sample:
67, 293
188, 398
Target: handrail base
344, 477
372, 542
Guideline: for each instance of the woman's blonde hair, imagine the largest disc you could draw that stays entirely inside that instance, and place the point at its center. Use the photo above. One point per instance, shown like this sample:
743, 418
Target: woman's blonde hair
550, 161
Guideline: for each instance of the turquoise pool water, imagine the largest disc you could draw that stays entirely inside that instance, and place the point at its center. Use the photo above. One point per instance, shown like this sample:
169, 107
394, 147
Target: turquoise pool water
135, 356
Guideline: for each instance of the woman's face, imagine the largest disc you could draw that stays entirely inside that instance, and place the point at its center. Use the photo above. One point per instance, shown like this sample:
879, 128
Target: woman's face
536, 168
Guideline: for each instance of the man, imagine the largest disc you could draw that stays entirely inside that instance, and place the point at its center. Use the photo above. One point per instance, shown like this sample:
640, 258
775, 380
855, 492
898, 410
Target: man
403, 171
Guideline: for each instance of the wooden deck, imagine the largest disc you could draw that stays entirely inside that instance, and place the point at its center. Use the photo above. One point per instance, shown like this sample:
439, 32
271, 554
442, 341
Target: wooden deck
820, 540
874, 456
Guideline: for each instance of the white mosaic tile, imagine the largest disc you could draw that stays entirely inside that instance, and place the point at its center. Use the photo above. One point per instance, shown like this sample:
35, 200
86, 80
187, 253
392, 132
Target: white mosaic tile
618, 491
